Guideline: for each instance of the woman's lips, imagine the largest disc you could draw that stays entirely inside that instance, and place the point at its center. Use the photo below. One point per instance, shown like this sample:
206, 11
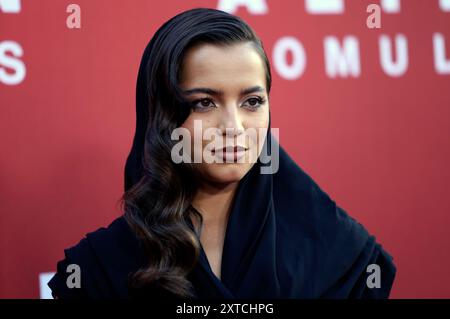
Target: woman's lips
230, 153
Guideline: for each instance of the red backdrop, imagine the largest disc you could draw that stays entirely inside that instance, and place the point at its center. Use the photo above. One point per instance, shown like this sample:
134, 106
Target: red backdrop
372, 130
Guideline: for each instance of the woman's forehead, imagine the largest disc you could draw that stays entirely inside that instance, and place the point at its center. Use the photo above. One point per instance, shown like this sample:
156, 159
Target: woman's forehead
238, 65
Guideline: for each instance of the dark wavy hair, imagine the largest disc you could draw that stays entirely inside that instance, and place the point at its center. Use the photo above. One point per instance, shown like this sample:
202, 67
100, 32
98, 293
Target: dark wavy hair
157, 206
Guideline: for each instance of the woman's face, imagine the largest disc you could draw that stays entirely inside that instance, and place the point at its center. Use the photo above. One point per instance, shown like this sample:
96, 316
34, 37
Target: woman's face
226, 86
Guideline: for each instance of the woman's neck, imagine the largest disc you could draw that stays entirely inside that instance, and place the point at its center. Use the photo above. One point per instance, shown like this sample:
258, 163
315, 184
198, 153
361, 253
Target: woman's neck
214, 202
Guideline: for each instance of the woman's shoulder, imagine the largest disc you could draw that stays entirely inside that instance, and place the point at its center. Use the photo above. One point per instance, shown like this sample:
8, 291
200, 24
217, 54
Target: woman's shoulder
344, 250
98, 265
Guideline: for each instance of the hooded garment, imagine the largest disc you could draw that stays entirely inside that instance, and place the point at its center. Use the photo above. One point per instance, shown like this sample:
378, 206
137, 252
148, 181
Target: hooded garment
285, 238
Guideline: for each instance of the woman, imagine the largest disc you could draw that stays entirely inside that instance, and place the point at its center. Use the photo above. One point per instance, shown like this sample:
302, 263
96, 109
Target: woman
226, 228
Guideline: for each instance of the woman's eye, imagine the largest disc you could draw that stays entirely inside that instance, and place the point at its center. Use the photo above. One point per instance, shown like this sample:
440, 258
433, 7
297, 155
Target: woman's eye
202, 104
254, 103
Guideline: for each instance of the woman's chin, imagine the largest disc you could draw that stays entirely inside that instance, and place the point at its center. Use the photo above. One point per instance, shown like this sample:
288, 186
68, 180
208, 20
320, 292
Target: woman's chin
227, 172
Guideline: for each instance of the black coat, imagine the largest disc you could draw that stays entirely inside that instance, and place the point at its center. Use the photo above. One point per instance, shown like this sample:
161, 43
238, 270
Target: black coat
285, 238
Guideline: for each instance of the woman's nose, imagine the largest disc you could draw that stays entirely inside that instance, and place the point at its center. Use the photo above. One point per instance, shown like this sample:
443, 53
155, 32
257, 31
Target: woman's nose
231, 122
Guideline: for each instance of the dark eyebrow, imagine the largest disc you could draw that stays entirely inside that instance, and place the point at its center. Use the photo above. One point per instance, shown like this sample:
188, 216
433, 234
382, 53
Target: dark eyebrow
212, 92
